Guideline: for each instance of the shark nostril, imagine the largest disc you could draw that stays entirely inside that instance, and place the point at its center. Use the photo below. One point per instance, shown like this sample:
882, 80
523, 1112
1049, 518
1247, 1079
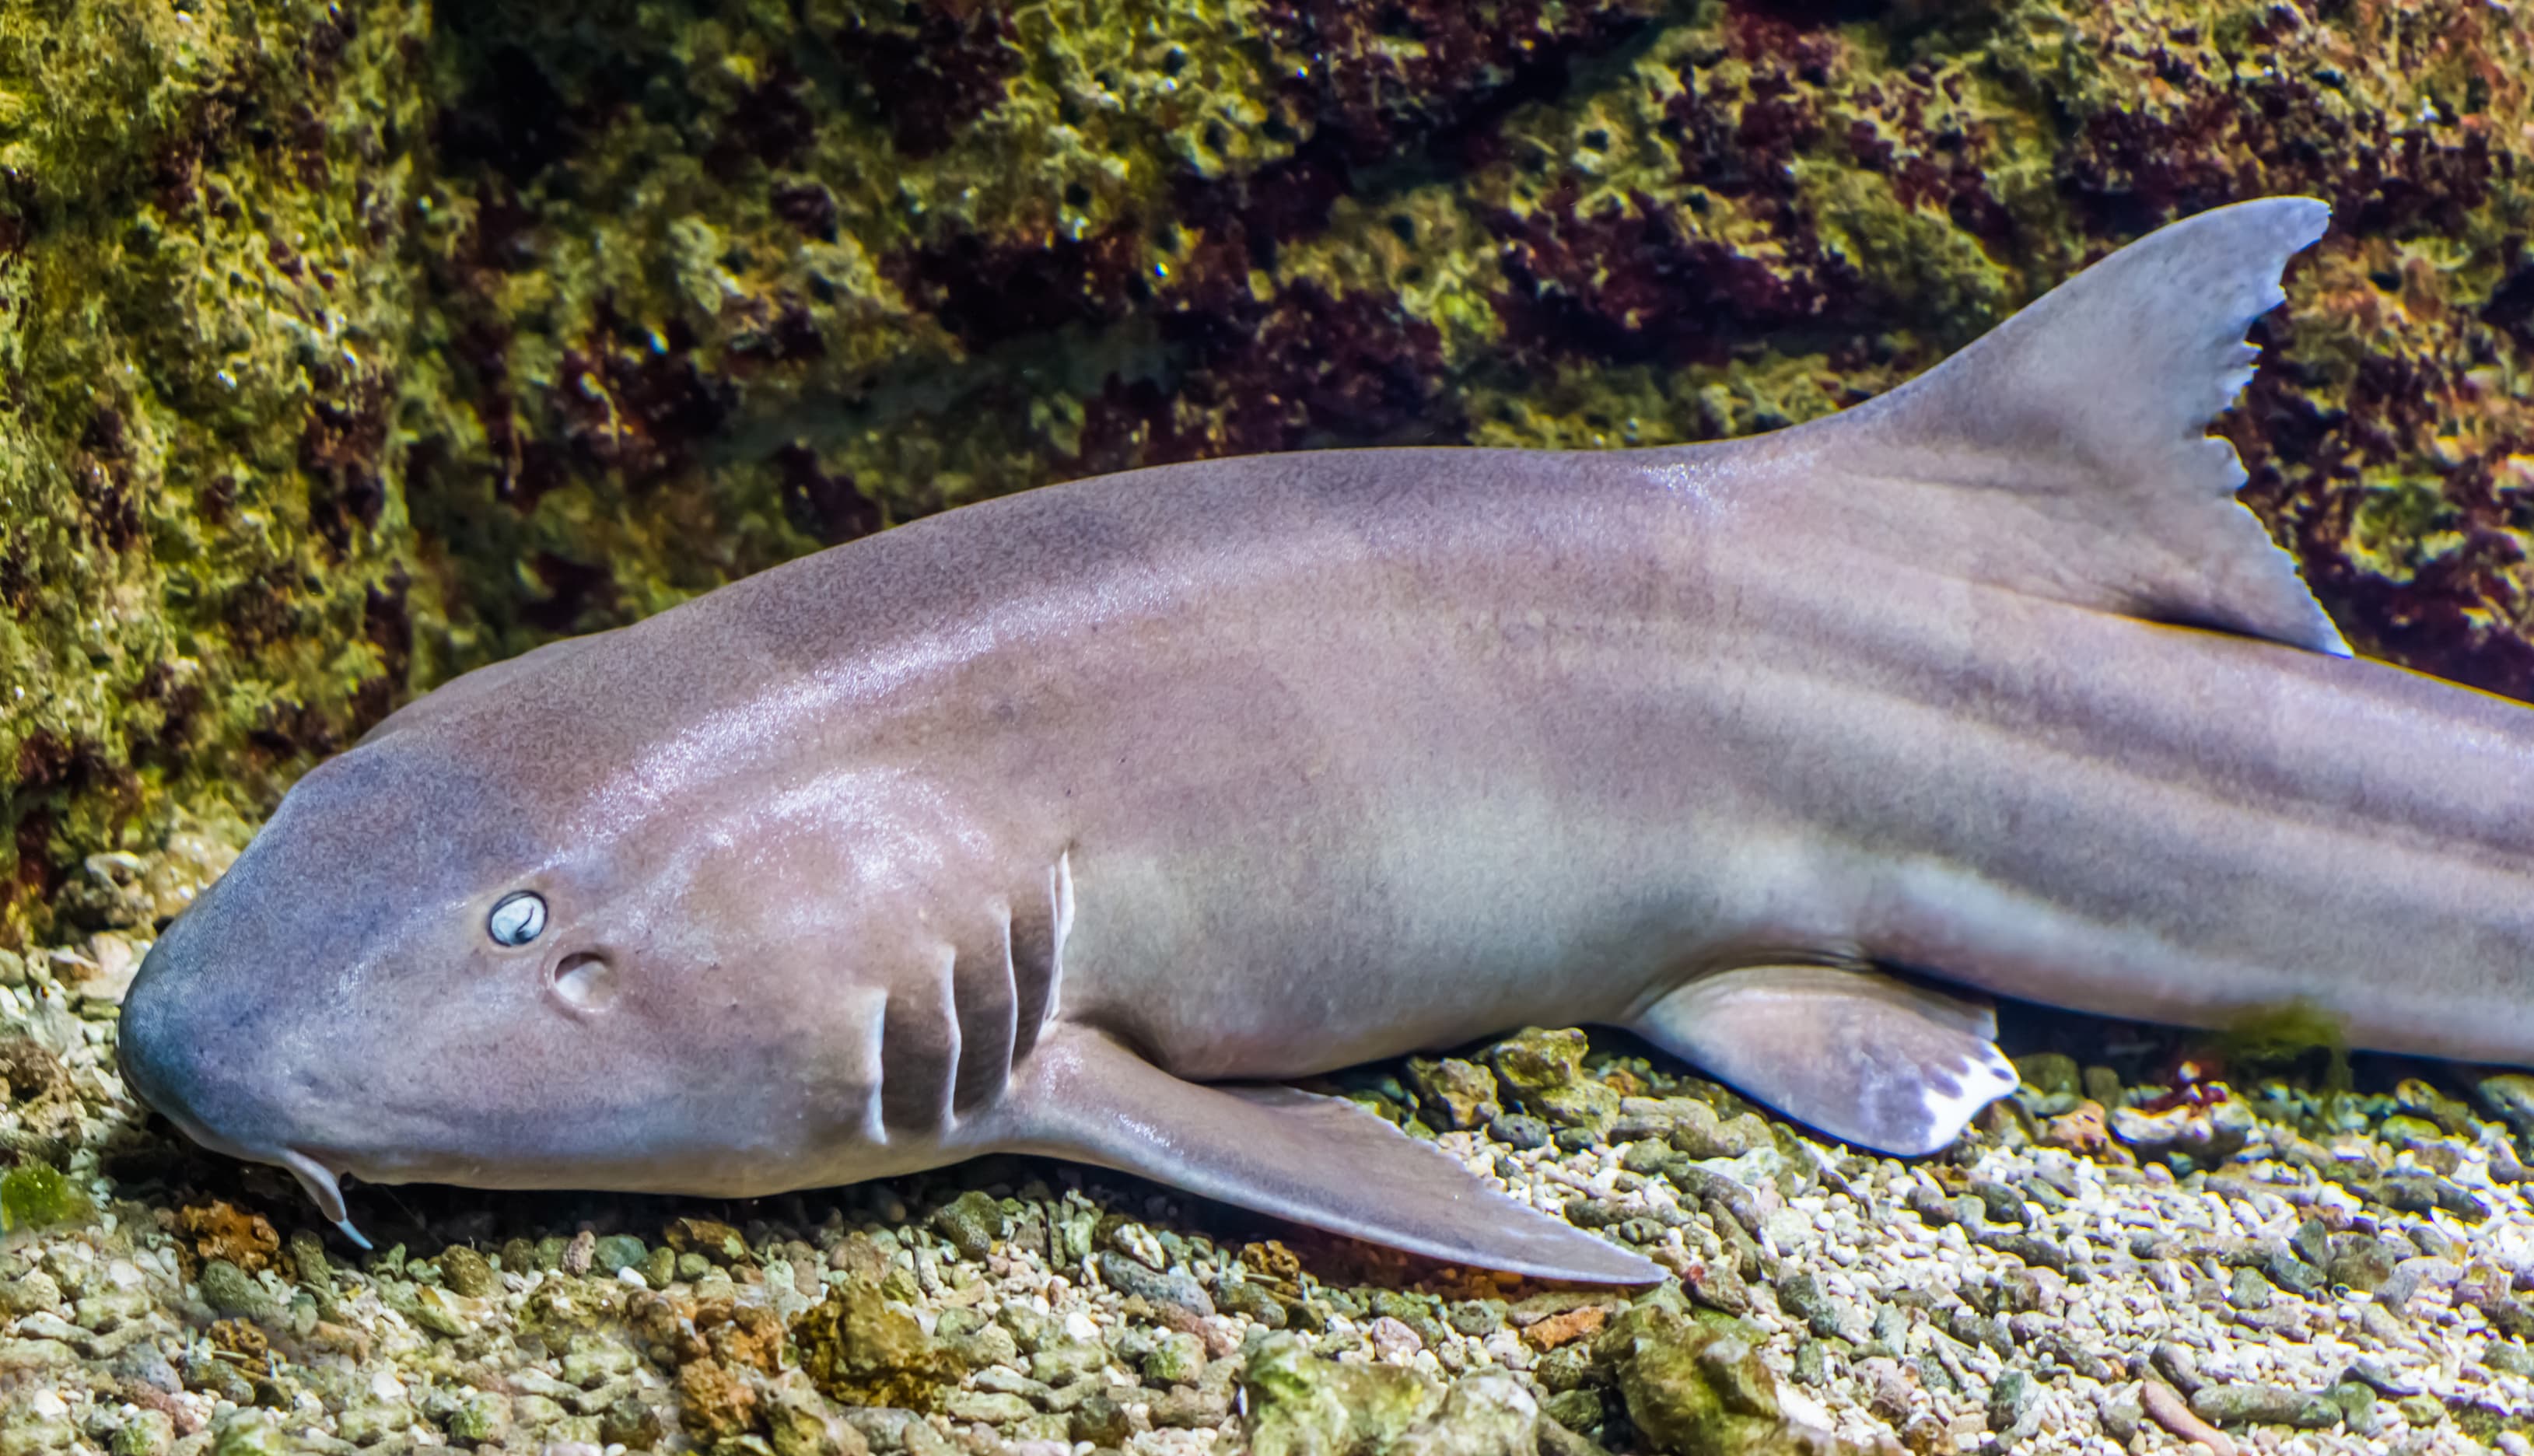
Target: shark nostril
585, 981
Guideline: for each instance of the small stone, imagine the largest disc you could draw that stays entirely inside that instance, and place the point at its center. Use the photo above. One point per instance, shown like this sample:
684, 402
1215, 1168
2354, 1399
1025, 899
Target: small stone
29, 1293
1700, 1133
1063, 1361
468, 1272
227, 1288
971, 1222
1542, 1072
366, 1423
1300, 1405
1718, 1286
1577, 1409
479, 1415
2421, 1410
593, 1362
1185, 1409
36, 1195
717, 1242
1690, 1389
308, 1260
1800, 1295
1514, 1129
1998, 1202
2175, 1364
660, 1267
2293, 1274
615, 1252
2264, 1405
799, 1422
1489, 1414
1243, 1298
1177, 1359
991, 1408
1582, 1322
1101, 1420
1133, 1278
713, 1402
250, 1432
146, 1434
1454, 1095
2121, 1412
2009, 1396
628, 1423
2360, 1261
2511, 1095
861, 1350
1392, 1338
1811, 1365
2357, 1405
1574, 1139
2206, 1135
2248, 1291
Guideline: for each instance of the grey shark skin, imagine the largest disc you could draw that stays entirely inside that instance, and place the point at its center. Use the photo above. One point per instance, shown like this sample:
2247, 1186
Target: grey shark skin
1070, 821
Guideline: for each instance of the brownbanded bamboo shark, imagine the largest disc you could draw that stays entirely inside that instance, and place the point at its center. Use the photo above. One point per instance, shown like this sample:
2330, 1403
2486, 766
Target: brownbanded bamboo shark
1074, 823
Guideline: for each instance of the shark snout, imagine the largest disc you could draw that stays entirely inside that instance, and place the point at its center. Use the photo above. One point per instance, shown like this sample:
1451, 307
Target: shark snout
176, 1060
215, 1088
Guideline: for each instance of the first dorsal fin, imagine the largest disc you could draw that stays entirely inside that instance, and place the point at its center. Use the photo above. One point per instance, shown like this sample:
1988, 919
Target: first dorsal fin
2066, 451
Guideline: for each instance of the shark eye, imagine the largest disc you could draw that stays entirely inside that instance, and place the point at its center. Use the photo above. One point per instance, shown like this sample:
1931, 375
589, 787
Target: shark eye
517, 919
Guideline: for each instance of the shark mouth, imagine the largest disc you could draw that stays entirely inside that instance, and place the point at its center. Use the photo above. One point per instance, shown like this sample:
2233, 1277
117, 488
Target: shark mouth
323, 1190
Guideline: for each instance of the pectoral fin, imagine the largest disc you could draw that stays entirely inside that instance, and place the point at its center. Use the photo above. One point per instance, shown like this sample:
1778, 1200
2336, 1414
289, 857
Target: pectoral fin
1319, 1161
1864, 1057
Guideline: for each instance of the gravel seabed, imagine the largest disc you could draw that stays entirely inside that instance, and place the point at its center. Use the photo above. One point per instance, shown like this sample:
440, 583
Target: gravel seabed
2347, 1274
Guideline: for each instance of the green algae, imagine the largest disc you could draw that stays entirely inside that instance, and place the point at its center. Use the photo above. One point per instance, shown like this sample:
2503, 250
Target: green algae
1692, 1391
200, 355
36, 1195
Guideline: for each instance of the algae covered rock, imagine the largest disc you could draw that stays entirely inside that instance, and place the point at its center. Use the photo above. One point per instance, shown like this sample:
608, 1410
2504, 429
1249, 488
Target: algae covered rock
34, 1195
1483, 1415
862, 1349
1543, 1073
1696, 1391
1455, 1095
1300, 1405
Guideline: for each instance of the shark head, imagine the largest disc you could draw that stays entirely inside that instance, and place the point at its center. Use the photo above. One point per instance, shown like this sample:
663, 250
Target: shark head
430, 966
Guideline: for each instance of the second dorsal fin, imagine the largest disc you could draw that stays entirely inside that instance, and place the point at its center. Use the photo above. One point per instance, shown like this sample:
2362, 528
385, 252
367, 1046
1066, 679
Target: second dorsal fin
2065, 453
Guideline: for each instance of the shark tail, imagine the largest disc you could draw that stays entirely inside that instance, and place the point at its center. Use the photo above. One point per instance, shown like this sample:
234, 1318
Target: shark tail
2065, 453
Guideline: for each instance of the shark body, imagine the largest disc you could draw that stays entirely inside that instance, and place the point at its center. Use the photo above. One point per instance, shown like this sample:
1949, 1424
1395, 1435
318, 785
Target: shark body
1072, 822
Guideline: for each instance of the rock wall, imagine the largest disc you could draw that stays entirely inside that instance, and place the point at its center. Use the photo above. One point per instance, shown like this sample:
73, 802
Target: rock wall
347, 347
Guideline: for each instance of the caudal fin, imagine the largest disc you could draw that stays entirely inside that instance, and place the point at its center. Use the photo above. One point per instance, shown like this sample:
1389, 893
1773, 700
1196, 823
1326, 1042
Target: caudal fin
2067, 453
